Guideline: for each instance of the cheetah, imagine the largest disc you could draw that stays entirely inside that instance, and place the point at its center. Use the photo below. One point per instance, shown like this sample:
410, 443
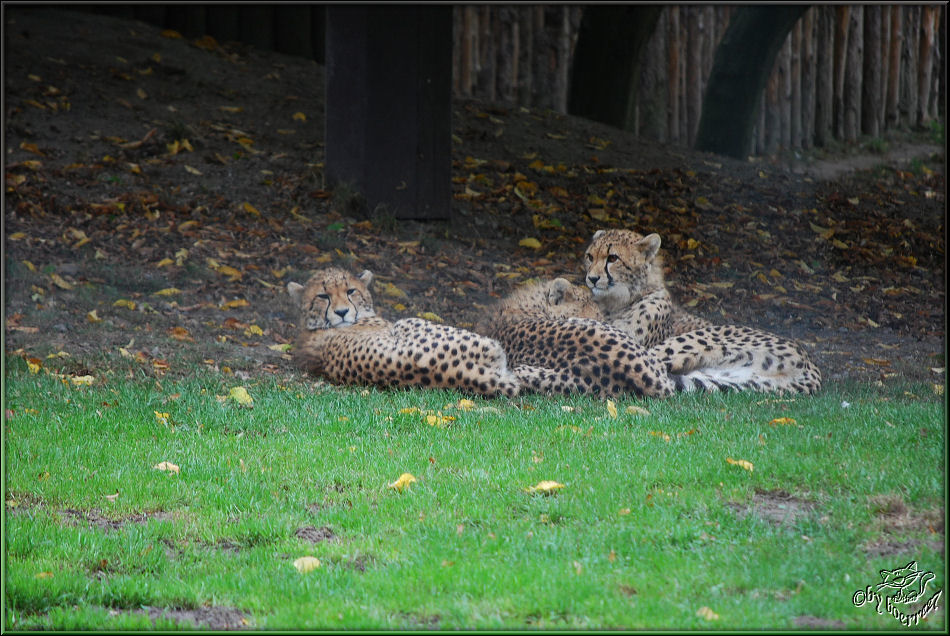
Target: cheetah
625, 275
342, 339
556, 343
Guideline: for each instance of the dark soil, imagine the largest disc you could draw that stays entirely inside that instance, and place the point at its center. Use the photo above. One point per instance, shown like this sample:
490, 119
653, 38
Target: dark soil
138, 162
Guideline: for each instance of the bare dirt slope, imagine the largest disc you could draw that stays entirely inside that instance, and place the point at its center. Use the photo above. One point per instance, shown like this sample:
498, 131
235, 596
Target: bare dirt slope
173, 188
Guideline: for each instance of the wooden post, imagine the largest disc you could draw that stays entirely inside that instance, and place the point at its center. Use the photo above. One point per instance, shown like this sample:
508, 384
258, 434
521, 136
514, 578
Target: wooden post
871, 85
388, 112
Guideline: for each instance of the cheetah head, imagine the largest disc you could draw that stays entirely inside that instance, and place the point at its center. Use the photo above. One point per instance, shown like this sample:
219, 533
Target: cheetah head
554, 299
333, 298
622, 265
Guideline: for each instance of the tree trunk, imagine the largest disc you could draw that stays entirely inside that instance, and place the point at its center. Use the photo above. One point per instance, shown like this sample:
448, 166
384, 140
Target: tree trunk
824, 80
842, 19
773, 111
388, 106
896, 29
796, 79
507, 34
606, 71
808, 78
292, 29
653, 95
908, 98
853, 75
525, 56
485, 78
925, 64
694, 98
743, 61
673, 73
257, 25
785, 94
885, 65
871, 83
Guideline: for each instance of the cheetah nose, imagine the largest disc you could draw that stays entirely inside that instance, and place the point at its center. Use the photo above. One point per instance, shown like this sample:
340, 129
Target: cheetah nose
593, 280
342, 312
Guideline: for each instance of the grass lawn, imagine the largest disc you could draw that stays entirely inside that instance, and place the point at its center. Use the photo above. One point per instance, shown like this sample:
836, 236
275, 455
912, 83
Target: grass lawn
654, 526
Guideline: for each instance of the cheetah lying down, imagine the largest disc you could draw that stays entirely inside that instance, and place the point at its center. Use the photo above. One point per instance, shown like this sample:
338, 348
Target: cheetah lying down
344, 341
624, 270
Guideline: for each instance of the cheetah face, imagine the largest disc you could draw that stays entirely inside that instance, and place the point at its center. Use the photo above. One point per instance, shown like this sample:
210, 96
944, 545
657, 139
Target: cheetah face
618, 263
333, 298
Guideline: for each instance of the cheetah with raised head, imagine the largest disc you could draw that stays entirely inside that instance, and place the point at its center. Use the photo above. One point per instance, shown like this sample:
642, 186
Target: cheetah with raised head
343, 340
556, 344
624, 271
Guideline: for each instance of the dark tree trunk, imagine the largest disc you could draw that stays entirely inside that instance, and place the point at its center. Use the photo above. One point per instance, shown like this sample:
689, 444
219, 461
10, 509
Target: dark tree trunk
653, 96
824, 81
808, 78
224, 22
187, 19
605, 71
388, 110
852, 80
871, 85
892, 113
742, 65
257, 25
292, 29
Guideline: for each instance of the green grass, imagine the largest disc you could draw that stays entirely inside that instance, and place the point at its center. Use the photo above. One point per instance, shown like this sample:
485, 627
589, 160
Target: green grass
644, 533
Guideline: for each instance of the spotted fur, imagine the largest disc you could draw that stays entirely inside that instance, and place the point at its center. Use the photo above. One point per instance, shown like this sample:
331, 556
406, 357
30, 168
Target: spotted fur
556, 344
624, 271
343, 340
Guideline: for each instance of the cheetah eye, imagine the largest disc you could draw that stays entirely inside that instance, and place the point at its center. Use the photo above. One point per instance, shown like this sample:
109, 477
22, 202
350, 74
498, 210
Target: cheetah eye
588, 257
350, 291
613, 258
323, 296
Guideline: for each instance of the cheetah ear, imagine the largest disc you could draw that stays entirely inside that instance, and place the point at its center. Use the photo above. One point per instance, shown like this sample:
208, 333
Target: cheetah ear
296, 292
651, 245
366, 277
558, 290
597, 235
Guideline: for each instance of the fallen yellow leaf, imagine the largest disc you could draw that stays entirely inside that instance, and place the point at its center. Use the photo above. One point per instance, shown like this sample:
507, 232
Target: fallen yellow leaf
298, 116
428, 315
238, 302
533, 243
707, 614
168, 291
612, 409
637, 410
306, 564
227, 270
91, 316
279, 347
83, 380
250, 209
747, 465
545, 487
403, 482
394, 292
778, 421
122, 302
166, 466
240, 395
59, 282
